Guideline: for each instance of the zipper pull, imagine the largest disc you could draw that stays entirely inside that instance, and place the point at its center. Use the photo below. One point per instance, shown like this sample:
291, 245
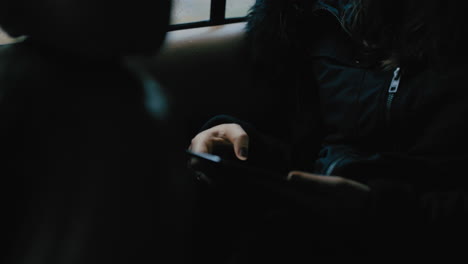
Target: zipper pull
395, 81
392, 90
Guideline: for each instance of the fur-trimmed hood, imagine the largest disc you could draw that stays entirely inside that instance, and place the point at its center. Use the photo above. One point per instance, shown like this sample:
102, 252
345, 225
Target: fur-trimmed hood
278, 29
275, 28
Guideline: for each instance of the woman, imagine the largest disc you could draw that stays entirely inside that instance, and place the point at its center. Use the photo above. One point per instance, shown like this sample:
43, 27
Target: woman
373, 92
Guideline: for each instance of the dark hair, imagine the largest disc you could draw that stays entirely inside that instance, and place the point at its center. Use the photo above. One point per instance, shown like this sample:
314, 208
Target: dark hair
408, 33
412, 31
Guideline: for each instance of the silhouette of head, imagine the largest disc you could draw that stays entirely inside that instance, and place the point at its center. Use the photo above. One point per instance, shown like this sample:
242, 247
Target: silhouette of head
91, 27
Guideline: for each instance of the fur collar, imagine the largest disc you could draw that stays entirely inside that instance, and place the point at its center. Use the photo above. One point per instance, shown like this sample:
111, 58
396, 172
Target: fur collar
277, 27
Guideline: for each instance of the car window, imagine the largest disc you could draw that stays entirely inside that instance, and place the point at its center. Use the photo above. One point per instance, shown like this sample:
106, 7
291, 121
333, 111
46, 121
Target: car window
209, 12
187, 11
238, 8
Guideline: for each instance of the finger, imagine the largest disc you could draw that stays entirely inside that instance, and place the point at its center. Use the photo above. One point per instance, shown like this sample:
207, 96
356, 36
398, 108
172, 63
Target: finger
205, 142
201, 143
310, 177
329, 181
225, 134
318, 182
235, 134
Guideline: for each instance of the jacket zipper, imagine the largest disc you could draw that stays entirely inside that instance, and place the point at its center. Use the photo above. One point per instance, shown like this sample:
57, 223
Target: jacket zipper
392, 90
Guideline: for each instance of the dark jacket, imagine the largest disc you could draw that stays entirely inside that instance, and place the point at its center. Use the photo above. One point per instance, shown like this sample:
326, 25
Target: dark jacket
400, 131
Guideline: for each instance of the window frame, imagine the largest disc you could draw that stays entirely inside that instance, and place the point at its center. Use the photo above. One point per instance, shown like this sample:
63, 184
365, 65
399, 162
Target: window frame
217, 17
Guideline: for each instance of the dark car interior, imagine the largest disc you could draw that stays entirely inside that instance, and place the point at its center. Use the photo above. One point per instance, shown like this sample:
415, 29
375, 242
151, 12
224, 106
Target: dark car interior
100, 102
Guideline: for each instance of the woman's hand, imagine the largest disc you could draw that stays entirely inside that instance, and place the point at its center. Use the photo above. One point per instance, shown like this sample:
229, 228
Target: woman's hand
328, 183
338, 197
230, 137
